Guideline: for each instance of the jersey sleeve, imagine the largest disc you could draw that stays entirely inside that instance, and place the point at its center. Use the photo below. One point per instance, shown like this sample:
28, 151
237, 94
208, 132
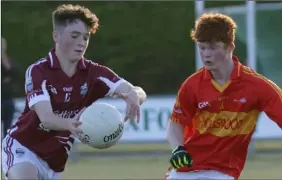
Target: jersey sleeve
108, 80
185, 106
35, 86
271, 101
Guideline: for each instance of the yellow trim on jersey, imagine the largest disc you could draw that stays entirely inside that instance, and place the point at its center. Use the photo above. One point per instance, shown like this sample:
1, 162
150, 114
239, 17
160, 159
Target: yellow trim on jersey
174, 119
197, 72
177, 103
267, 81
239, 68
220, 87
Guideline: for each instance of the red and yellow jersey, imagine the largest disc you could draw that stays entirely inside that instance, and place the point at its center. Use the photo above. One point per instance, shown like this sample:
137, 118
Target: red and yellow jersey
219, 120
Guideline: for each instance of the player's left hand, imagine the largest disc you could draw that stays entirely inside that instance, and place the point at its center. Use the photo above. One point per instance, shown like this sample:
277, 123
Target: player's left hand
74, 124
132, 105
180, 158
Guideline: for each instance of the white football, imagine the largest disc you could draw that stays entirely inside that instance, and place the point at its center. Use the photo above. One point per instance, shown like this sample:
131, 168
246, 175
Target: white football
102, 125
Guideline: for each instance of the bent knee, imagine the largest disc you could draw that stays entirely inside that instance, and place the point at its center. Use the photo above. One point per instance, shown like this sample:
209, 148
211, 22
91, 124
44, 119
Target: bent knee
23, 170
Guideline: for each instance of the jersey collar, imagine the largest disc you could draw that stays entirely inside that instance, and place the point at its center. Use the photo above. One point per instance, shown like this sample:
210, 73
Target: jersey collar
235, 73
54, 62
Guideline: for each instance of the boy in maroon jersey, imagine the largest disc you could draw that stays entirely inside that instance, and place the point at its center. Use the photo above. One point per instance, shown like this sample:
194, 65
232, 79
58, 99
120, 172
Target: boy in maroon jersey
58, 87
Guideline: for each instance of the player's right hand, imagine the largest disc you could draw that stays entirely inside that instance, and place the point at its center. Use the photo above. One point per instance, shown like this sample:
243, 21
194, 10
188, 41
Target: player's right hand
133, 106
180, 158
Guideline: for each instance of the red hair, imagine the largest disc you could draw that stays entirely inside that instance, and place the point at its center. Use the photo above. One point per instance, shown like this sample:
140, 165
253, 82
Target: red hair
214, 27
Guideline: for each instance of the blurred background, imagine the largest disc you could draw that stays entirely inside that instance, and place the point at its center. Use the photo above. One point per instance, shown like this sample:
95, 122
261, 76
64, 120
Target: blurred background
148, 44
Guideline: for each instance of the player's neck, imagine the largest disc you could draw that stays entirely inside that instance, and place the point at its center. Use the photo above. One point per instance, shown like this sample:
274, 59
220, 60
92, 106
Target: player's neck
222, 75
67, 66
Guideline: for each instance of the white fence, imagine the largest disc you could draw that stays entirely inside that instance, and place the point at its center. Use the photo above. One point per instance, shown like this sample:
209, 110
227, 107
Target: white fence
155, 113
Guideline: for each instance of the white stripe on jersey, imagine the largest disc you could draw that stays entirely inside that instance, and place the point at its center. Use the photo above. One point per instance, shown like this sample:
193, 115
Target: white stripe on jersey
62, 142
62, 137
51, 58
72, 136
69, 143
111, 85
91, 62
67, 151
65, 140
10, 131
29, 69
33, 99
83, 62
44, 89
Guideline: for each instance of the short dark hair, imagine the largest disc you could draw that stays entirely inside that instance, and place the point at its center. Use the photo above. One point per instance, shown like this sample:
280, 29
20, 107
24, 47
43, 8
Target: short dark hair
214, 27
68, 13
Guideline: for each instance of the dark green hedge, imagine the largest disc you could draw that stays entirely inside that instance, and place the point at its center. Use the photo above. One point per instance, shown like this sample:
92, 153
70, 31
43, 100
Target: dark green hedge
145, 42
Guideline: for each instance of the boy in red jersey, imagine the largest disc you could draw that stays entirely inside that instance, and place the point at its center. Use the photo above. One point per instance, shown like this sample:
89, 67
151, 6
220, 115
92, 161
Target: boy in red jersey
217, 108
58, 87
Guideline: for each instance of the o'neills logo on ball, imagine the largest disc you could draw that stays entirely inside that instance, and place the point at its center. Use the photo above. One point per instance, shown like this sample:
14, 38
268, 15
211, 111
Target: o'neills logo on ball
112, 136
85, 139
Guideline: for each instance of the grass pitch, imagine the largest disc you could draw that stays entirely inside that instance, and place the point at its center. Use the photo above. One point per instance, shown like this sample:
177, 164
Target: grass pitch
262, 167
266, 166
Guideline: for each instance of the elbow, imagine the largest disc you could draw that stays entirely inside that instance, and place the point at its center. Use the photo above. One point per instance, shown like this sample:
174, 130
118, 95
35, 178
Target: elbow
173, 128
174, 134
169, 130
44, 113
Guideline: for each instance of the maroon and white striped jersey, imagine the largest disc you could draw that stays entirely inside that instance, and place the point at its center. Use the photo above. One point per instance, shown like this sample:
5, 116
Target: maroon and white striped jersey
45, 80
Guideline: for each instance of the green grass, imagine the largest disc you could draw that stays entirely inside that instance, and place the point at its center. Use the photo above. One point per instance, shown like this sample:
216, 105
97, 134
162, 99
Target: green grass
155, 167
262, 167
259, 146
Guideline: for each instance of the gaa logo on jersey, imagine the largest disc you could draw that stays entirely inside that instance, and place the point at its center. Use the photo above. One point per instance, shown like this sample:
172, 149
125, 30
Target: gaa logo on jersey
28, 85
52, 89
83, 89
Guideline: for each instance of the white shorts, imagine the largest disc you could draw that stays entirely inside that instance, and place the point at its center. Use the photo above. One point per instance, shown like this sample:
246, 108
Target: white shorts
13, 152
204, 174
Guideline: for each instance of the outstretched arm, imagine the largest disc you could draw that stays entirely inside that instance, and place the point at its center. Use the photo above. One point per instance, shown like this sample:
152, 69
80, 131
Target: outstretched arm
115, 86
126, 88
